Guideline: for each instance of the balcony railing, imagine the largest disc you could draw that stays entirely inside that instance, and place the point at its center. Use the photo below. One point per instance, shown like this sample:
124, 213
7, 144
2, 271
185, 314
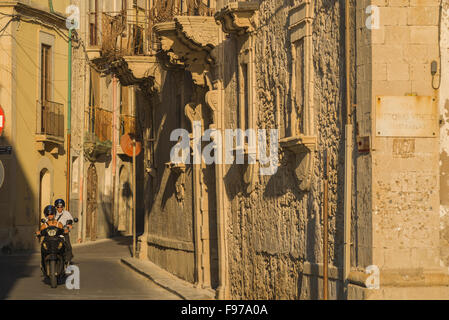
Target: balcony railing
128, 33
123, 33
100, 123
166, 10
127, 124
50, 119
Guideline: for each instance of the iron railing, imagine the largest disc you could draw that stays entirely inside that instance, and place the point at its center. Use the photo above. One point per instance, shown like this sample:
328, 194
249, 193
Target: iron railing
99, 122
50, 119
130, 32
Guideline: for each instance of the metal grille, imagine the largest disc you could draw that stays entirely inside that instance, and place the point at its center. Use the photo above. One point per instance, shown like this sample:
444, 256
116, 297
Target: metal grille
50, 119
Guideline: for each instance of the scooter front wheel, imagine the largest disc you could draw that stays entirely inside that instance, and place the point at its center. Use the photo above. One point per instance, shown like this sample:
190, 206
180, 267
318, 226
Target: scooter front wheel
53, 278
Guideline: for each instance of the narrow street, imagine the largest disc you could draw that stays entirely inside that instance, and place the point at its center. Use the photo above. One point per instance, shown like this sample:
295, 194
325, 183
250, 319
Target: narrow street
102, 276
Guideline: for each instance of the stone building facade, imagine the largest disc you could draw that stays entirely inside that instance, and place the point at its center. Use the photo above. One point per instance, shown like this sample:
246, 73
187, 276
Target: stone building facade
103, 111
338, 82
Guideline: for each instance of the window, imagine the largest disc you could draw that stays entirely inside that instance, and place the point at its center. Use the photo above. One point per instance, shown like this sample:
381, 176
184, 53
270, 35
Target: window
298, 101
94, 97
45, 85
127, 124
93, 22
244, 98
45, 73
49, 114
300, 119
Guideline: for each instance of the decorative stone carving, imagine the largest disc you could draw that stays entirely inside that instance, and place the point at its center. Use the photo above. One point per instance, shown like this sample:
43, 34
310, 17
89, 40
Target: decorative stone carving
212, 100
300, 21
178, 169
303, 147
188, 42
238, 17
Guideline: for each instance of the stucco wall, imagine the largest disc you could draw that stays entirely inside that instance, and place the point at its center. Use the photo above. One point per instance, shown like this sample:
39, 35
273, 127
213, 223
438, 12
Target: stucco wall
20, 89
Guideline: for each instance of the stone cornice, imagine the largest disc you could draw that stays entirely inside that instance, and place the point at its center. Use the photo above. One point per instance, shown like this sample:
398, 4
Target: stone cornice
238, 17
36, 11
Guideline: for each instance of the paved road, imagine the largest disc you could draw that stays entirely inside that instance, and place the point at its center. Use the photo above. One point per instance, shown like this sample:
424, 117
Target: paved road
102, 276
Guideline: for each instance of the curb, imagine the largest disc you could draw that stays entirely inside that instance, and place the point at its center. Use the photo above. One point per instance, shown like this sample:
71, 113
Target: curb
168, 281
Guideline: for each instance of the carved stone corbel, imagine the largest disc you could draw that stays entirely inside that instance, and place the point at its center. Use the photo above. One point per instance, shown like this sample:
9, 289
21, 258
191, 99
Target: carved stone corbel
250, 173
238, 17
188, 42
304, 148
194, 113
178, 169
212, 99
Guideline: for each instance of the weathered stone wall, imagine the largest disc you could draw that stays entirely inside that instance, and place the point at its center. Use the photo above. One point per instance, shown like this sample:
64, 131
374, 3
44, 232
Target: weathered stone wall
170, 208
444, 137
274, 234
405, 201
397, 221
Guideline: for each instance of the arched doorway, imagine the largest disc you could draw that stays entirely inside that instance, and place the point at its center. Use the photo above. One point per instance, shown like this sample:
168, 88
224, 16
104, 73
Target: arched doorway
91, 212
124, 202
44, 191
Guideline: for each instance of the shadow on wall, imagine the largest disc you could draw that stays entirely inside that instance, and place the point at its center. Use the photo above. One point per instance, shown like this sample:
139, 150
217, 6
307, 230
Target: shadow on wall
18, 221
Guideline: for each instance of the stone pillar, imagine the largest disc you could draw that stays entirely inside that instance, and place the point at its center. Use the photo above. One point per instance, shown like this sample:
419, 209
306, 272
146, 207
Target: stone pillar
398, 179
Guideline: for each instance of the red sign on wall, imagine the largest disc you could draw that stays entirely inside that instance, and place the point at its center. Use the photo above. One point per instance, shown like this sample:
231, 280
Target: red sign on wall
2, 120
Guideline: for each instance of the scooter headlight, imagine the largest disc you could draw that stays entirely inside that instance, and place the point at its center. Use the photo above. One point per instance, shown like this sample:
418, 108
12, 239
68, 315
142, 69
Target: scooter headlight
52, 232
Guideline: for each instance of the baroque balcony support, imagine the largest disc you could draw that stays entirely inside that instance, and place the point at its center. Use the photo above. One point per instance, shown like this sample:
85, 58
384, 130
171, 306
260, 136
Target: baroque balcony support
188, 42
238, 17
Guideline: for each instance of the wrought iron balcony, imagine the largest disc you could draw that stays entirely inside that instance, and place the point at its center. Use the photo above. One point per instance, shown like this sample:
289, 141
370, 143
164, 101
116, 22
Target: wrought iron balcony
97, 141
50, 122
99, 122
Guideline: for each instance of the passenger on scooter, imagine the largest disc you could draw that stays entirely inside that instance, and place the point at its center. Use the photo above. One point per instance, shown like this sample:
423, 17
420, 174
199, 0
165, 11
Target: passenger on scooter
66, 219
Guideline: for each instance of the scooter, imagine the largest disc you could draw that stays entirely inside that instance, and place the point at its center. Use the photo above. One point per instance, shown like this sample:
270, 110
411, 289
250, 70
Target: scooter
53, 247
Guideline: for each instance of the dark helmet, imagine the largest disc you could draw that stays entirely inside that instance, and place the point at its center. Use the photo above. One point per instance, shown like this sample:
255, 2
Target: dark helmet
59, 202
49, 210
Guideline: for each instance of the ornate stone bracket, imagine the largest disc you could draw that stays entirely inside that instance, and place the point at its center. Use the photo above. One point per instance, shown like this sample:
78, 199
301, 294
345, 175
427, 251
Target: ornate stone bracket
194, 113
212, 100
94, 149
135, 70
238, 17
132, 70
188, 42
250, 173
178, 169
303, 147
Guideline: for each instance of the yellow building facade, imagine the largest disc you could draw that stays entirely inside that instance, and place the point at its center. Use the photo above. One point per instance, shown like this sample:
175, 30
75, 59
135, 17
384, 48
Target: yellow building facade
33, 95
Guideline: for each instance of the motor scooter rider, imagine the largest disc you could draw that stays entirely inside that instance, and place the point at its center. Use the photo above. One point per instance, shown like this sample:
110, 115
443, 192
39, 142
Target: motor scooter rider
66, 219
50, 215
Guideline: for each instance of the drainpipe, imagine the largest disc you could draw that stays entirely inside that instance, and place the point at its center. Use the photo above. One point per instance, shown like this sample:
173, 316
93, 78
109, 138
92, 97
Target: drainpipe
114, 142
50, 5
348, 157
69, 118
